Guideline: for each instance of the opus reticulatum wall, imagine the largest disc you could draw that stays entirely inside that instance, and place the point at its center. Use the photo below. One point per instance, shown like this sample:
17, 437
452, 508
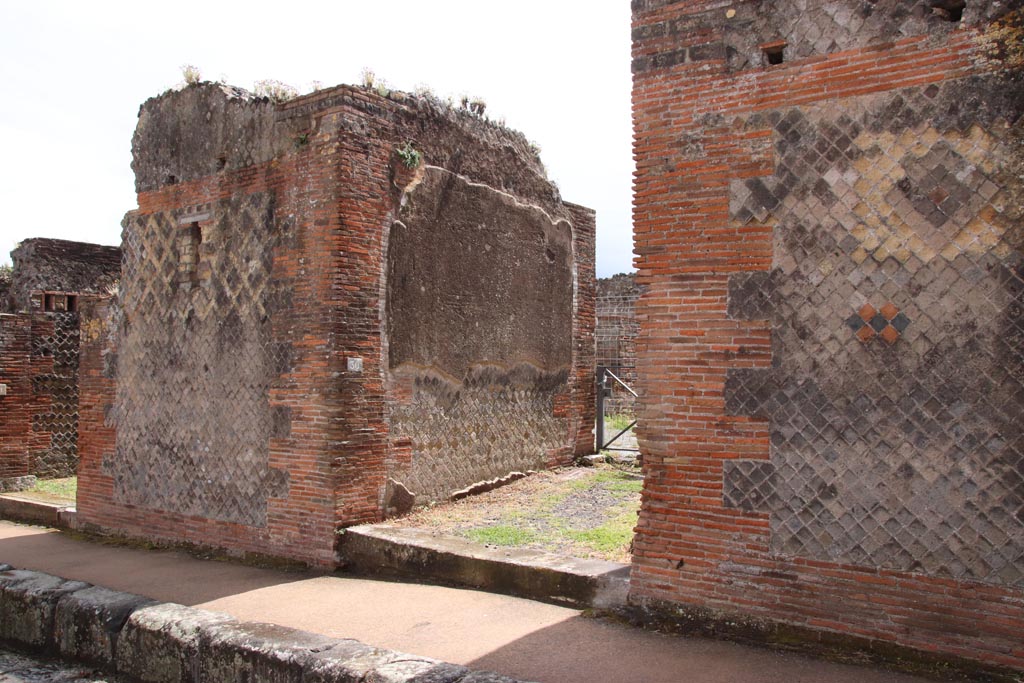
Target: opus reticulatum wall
828, 221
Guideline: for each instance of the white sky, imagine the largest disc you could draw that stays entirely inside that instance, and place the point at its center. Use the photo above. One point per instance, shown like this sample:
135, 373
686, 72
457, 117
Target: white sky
73, 75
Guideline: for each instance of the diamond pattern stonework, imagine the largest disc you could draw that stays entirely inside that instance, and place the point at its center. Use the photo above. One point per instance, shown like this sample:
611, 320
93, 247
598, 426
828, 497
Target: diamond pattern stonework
900, 445
196, 362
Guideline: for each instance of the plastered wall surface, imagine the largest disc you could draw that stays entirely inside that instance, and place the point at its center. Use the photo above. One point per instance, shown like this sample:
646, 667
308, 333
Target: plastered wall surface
480, 322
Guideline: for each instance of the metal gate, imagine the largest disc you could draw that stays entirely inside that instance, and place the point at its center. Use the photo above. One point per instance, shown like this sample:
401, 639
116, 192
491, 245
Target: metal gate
607, 384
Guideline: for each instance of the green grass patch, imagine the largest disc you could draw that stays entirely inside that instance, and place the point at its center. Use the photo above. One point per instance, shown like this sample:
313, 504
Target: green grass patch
501, 534
611, 537
609, 480
613, 424
65, 488
625, 484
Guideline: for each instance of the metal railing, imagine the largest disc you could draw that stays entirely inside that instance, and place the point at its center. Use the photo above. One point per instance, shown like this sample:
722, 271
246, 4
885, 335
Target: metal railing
606, 379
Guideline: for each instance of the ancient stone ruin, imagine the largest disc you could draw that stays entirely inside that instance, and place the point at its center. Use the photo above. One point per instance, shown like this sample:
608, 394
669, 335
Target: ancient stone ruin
48, 274
829, 229
39, 332
331, 310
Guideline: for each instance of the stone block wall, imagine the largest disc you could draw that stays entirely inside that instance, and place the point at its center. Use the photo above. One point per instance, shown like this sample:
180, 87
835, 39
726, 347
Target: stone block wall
828, 222
288, 351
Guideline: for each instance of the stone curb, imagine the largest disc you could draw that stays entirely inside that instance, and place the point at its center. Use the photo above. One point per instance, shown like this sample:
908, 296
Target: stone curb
418, 554
154, 642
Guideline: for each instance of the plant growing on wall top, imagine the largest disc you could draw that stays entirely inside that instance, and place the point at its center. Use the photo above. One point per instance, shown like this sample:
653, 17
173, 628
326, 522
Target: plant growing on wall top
369, 78
409, 155
478, 106
378, 85
276, 91
475, 105
191, 74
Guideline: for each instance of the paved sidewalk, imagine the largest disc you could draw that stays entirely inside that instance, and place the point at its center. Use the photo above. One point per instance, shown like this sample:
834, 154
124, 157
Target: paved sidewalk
516, 637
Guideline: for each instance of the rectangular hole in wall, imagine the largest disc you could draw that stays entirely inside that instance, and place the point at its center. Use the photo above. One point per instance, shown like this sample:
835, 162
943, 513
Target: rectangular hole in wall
195, 235
774, 53
189, 240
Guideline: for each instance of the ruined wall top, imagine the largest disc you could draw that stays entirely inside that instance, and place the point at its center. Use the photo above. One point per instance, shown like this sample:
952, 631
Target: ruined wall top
618, 286
797, 28
5, 291
42, 264
209, 128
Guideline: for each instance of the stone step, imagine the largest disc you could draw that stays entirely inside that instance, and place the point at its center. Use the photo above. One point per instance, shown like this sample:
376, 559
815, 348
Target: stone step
424, 556
20, 508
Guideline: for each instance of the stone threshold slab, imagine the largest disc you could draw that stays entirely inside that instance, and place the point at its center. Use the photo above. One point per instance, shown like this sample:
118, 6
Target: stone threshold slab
418, 554
23, 509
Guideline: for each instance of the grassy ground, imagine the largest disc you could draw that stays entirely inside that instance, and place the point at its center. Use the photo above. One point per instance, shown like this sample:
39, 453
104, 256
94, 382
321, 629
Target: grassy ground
583, 512
613, 424
54, 490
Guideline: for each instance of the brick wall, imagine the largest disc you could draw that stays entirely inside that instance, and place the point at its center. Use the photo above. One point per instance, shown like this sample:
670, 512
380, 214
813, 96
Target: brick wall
616, 332
16, 405
582, 410
831, 328
97, 392
254, 388
39, 425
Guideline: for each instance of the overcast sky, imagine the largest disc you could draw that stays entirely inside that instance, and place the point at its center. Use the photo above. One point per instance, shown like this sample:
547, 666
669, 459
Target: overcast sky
74, 74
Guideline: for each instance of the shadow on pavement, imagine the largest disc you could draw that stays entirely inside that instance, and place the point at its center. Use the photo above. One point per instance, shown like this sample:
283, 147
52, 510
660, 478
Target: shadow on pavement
584, 650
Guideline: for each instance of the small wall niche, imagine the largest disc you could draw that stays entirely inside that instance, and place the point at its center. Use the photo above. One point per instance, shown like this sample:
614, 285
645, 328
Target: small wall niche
59, 302
189, 241
774, 53
195, 236
949, 10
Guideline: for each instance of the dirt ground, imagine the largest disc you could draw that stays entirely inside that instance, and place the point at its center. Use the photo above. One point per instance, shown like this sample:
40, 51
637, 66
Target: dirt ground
576, 511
